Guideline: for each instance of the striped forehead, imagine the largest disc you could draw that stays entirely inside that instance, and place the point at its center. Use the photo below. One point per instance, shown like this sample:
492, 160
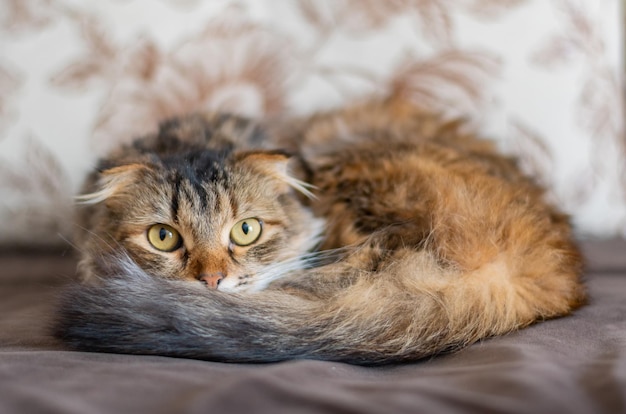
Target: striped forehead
198, 180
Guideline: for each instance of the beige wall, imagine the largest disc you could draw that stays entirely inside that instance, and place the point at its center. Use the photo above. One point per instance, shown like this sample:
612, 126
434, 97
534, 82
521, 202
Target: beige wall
542, 77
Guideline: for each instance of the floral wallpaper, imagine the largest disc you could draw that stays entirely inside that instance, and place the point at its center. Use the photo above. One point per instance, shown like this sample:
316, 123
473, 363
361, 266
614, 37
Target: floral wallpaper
542, 77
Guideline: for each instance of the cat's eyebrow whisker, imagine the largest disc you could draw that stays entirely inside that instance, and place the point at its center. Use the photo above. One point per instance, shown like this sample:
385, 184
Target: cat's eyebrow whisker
301, 186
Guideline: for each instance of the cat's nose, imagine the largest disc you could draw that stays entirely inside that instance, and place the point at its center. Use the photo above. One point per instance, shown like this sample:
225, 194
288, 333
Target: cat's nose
212, 280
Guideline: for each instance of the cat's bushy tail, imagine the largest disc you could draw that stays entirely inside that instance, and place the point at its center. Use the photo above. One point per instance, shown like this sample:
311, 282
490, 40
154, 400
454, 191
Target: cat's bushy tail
381, 318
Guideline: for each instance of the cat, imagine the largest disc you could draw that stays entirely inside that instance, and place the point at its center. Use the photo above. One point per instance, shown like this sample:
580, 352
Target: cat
373, 234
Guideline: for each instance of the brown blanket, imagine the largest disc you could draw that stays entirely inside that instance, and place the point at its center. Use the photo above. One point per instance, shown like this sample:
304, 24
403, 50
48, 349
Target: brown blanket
571, 365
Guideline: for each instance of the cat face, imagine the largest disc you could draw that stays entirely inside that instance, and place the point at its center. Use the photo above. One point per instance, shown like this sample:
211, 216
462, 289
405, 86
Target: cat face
232, 222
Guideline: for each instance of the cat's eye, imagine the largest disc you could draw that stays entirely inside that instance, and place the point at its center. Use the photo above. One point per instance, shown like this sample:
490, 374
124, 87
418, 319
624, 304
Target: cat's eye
164, 238
246, 232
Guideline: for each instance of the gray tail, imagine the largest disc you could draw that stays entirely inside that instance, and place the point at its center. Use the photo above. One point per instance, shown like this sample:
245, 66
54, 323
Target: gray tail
173, 318
420, 312
138, 314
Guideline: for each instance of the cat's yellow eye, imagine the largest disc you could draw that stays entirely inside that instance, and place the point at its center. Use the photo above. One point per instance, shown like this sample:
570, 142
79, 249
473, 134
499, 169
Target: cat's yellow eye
164, 238
246, 232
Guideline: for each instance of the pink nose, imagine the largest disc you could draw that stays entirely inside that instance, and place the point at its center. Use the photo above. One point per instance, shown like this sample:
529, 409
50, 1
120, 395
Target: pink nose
211, 280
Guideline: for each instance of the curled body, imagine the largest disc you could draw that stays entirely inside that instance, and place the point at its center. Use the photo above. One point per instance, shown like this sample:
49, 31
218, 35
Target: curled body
373, 234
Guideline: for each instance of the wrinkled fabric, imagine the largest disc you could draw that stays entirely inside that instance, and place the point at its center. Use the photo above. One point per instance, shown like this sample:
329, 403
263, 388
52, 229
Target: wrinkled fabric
575, 364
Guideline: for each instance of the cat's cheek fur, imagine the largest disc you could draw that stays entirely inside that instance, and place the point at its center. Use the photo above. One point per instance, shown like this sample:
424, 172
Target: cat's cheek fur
159, 264
277, 256
308, 236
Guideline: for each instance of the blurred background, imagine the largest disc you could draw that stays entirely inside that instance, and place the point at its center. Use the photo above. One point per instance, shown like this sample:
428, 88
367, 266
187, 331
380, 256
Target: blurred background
542, 77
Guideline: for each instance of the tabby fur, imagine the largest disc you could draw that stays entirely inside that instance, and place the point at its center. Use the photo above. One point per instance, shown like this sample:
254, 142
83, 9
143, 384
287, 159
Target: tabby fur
389, 235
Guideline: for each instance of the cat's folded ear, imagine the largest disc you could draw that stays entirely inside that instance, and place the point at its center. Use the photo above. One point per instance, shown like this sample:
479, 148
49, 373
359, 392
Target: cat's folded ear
275, 164
113, 181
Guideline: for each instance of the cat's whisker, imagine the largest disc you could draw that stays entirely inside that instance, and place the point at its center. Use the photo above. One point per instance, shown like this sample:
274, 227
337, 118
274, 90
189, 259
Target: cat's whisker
70, 243
309, 260
107, 242
329, 254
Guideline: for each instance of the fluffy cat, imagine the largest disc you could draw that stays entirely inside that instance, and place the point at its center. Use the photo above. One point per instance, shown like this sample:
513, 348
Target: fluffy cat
387, 235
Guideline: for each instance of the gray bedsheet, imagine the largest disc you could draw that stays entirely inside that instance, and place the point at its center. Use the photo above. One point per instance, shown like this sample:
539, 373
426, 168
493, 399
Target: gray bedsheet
575, 364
